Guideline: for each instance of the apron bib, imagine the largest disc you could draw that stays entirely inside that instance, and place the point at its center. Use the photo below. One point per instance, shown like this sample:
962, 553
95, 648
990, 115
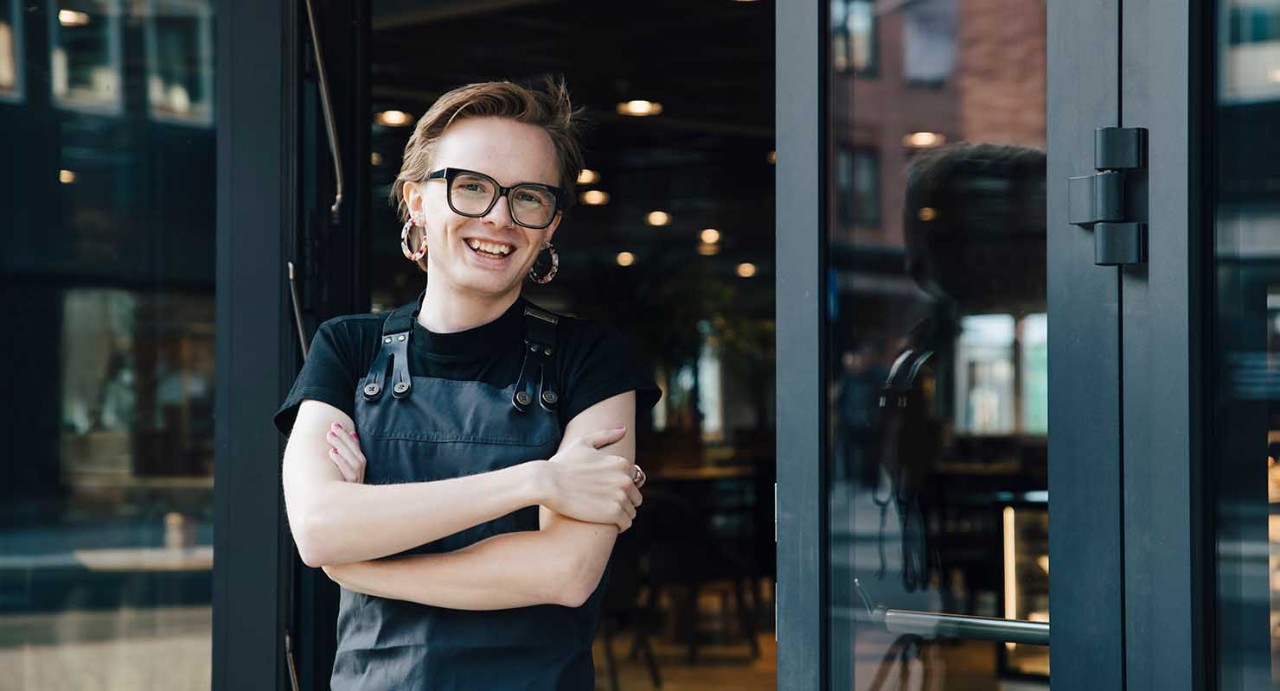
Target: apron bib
418, 429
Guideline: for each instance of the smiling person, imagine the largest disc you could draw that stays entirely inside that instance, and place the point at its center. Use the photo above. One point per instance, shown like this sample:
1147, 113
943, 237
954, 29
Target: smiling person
462, 465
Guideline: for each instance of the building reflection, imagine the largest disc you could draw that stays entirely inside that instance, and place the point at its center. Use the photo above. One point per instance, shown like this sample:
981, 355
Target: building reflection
108, 208
939, 411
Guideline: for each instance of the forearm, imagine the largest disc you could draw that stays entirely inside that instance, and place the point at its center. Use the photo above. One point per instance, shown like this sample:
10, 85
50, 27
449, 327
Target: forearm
504, 571
339, 522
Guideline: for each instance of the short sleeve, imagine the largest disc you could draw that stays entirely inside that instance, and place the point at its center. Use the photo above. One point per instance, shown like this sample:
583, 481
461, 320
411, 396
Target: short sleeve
601, 362
330, 373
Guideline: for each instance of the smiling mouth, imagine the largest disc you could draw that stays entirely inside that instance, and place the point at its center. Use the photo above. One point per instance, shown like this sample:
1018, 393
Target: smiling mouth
491, 250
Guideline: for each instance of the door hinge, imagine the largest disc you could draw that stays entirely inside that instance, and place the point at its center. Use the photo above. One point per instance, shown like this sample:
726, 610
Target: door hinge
1102, 201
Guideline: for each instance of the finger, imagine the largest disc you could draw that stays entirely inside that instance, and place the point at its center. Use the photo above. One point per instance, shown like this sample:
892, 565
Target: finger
348, 474
606, 437
629, 509
353, 463
624, 522
347, 441
633, 495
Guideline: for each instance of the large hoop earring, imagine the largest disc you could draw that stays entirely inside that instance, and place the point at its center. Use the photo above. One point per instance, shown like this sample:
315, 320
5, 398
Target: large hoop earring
414, 257
551, 273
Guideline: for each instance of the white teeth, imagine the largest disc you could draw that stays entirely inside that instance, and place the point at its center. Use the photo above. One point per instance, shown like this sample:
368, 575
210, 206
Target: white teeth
490, 247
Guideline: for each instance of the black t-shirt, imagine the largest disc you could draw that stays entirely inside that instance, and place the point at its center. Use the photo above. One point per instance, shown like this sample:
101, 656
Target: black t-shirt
593, 361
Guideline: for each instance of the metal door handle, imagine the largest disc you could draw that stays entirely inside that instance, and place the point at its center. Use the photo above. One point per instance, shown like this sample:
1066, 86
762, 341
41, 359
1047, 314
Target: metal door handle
931, 625
934, 625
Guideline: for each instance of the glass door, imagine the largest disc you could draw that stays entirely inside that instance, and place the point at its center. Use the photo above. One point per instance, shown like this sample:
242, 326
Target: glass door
931, 355
937, 344
1245, 308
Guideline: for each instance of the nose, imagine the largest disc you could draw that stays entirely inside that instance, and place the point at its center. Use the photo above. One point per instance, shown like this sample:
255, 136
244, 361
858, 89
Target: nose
500, 214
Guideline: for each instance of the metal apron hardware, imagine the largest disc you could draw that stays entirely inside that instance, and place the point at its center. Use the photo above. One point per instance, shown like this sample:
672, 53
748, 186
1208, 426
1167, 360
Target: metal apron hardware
435, 429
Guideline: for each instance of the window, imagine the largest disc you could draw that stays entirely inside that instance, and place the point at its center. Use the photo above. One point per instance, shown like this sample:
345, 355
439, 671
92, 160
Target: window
180, 61
10, 52
1251, 61
85, 61
853, 40
858, 187
929, 41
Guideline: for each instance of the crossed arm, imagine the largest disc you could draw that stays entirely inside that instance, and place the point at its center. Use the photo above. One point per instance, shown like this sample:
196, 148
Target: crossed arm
342, 526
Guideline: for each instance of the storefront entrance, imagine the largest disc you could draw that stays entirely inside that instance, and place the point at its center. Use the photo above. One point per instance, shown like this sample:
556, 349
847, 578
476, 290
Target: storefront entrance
857, 218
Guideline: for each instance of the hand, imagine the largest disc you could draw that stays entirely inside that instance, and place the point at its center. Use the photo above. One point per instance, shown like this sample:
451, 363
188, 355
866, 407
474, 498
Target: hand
344, 452
588, 484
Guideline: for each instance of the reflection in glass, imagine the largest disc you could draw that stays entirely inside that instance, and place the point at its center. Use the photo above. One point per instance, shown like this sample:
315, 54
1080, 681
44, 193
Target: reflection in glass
86, 61
929, 40
853, 37
106, 503
180, 60
1250, 64
10, 51
938, 395
1246, 345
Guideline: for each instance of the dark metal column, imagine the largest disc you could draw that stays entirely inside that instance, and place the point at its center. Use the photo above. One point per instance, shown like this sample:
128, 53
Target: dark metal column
1162, 332
1086, 520
256, 202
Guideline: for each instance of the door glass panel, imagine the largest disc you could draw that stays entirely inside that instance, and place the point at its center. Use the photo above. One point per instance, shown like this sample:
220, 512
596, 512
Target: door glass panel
1246, 344
938, 338
107, 258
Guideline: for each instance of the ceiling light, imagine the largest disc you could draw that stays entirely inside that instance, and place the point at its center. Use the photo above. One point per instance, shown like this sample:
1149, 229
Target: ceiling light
639, 109
658, 218
594, 198
710, 236
393, 118
66, 177
923, 140
773, 158
927, 213
375, 158
588, 177
746, 270
626, 259
708, 250
72, 18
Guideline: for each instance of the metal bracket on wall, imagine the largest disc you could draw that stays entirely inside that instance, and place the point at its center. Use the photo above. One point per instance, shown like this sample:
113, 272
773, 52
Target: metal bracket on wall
1097, 201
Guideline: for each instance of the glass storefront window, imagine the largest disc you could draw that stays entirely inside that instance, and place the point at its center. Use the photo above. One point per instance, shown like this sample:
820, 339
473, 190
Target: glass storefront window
106, 483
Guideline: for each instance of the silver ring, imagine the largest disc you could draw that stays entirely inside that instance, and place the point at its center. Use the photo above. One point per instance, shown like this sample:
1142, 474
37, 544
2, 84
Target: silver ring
639, 477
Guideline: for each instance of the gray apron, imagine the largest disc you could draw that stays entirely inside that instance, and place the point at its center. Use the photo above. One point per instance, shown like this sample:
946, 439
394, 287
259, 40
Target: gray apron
415, 429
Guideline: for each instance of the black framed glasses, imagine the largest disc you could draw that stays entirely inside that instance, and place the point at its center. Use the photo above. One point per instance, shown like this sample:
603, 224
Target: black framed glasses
533, 205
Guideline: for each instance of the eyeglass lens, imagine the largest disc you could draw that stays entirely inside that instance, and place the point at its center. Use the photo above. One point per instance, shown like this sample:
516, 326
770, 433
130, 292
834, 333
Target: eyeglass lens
474, 195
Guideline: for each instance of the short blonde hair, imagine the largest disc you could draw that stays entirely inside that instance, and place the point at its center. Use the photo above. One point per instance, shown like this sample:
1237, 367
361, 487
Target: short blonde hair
549, 109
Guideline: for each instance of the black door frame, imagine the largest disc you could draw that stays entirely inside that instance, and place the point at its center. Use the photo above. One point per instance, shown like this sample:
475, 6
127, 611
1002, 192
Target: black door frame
276, 187
255, 351
801, 180
1128, 546
1166, 62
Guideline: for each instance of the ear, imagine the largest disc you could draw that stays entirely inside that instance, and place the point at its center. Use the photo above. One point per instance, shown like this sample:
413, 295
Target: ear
414, 199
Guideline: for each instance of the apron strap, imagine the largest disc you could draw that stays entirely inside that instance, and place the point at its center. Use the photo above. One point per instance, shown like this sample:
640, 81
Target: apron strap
539, 347
393, 354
